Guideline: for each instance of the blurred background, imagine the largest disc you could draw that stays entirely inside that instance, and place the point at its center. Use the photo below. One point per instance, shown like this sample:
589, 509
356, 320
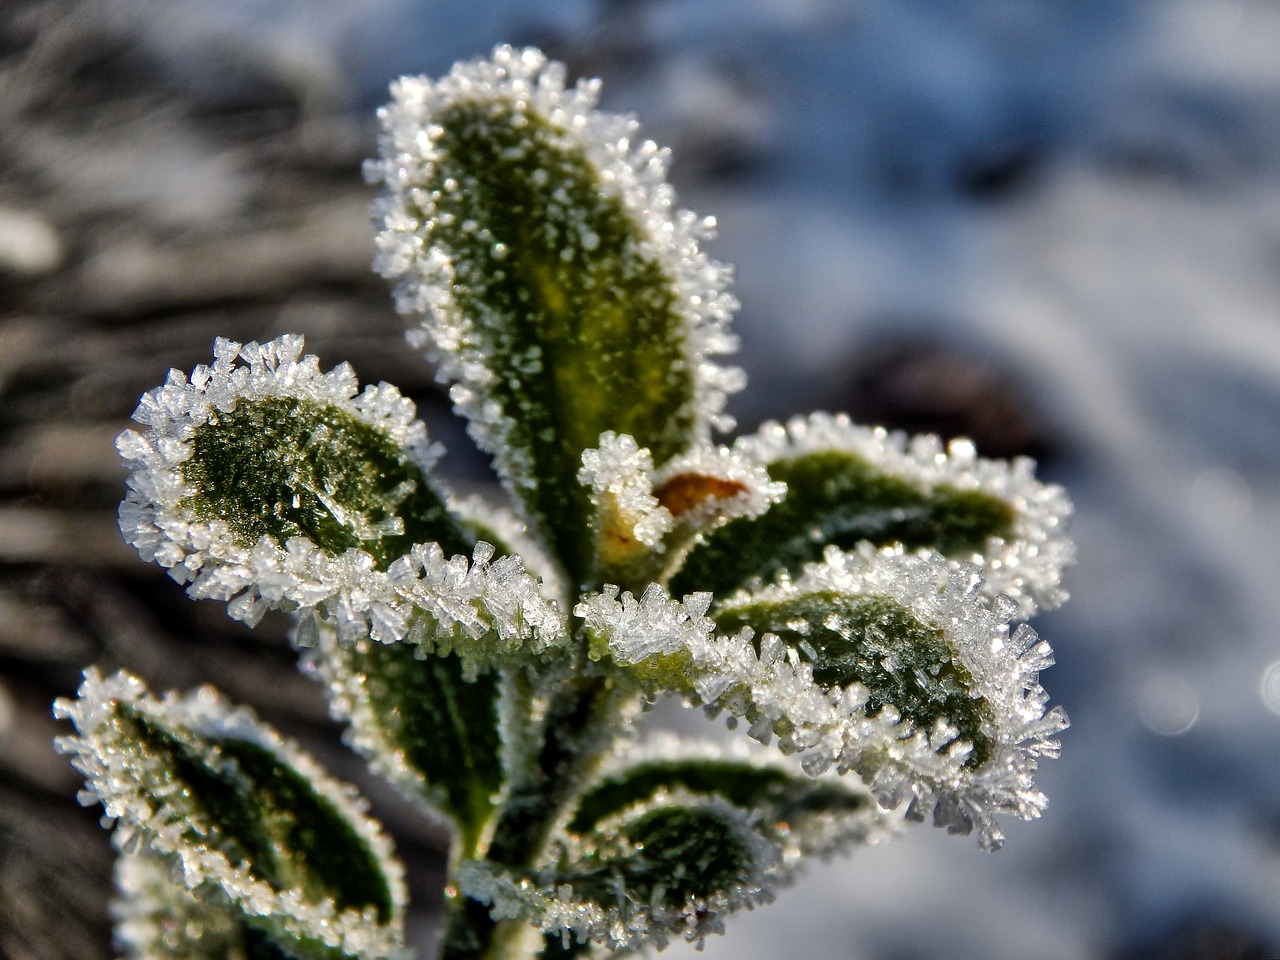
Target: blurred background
1053, 227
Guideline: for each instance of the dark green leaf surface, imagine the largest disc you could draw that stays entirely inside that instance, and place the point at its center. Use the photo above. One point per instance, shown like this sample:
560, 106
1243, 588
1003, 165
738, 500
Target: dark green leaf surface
779, 796
579, 329
252, 472
837, 498
246, 802
283, 467
443, 727
683, 851
902, 661
258, 946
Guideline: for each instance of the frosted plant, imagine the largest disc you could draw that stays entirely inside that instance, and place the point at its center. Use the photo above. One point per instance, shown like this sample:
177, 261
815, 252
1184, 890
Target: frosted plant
846, 594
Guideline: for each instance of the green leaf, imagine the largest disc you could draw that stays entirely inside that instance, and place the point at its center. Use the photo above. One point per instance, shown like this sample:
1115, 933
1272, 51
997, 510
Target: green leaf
673, 867
837, 498
422, 725
266, 814
800, 814
672, 854
904, 662
779, 795
947, 711
581, 330
210, 788
348, 485
563, 293
257, 475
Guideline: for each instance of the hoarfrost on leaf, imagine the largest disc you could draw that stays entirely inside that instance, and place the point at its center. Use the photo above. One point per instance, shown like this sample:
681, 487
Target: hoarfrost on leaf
1025, 560
223, 496
848, 593
902, 756
232, 806
563, 293
485, 610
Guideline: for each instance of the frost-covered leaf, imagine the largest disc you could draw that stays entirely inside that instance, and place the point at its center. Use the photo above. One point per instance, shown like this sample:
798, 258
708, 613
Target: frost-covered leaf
645, 519
263, 481
905, 662
848, 484
429, 730
672, 868
559, 286
801, 814
673, 855
423, 707
485, 609
419, 686
231, 806
962, 743
158, 918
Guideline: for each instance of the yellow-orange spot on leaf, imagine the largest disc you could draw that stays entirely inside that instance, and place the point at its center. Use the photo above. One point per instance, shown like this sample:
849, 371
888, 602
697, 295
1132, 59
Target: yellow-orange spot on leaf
684, 491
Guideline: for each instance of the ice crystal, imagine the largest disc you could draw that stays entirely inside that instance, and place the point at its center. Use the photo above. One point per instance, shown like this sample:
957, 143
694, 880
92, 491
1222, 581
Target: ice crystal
139, 792
627, 892
1026, 563
497, 524
483, 610
772, 685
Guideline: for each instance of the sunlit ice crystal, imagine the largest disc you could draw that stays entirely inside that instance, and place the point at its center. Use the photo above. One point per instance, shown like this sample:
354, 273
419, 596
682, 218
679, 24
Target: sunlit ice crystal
138, 790
777, 693
158, 518
1027, 565
458, 296
484, 609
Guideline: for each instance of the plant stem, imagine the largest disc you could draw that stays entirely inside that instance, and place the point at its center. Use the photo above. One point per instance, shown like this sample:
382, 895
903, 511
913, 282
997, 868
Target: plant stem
579, 727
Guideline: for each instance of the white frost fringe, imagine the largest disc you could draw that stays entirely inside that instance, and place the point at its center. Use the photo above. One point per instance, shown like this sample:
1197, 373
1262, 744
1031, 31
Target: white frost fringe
480, 598
1027, 567
775, 691
132, 790
634, 172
